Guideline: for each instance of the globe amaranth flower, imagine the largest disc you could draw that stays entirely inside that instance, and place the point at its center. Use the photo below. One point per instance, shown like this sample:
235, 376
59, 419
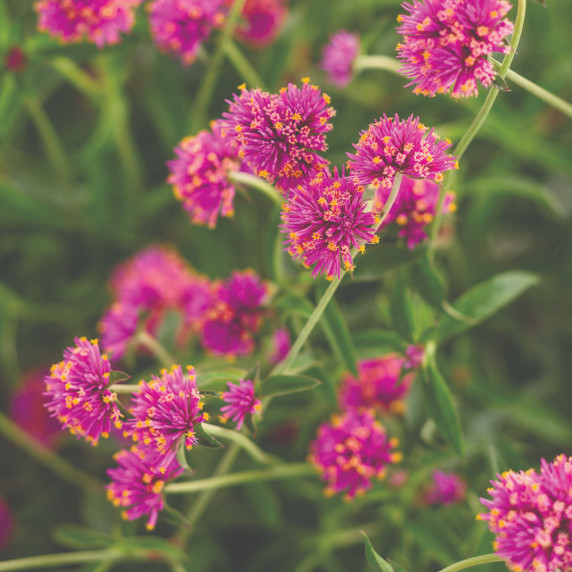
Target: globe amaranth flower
200, 176
166, 410
446, 44
97, 21
78, 394
391, 145
531, 515
382, 383
240, 401
138, 481
281, 135
281, 345
338, 57
261, 21
415, 208
180, 27
324, 219
445, 489
352, 450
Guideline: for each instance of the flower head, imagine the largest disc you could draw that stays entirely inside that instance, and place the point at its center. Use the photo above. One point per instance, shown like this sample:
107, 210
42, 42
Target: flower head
352, 450
138, 481
98, 21
447, 43
262, 20
77, 392
240, 401
200, 176
445, 489
281, 345
531, 516
392, 145
338, 57
181, 26
381, 384
323, 220
166, 410
280, 135
15, 59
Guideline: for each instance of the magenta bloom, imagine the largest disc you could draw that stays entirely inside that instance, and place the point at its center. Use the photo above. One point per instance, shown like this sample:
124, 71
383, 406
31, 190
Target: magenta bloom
324, 219
447, 43
97, 21
240, 402
262, 20
381, 384
181, 26
281, 344
338, 57
414, 355
200, 176
445, 489
166, 410
280, 135
531, 516
138, 481
352, 450
77, 392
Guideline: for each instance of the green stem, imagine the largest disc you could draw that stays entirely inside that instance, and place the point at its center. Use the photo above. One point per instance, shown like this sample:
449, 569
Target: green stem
145, 339
47, 457
63, 559
256, 183
242, 65
241, 440
203, 100
275, 472
124, 388
471, 562
376, 62
76, 76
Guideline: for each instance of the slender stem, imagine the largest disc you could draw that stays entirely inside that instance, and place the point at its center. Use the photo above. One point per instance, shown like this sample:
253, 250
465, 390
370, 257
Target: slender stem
275, 472
123, 388
155, 347
63, 559
376, 62
242, 65
256, 183
472, 562
241, 440
76, 76
203, 100
47, 457
391, 199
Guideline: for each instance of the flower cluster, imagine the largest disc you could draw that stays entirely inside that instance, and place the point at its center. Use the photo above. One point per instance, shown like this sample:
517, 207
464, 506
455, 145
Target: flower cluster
262, 20
447, 43
324, 220
78, 395
445, 489
200, 175
181, 26
240, 401
100, 21
531, 515
281, 135
338, 57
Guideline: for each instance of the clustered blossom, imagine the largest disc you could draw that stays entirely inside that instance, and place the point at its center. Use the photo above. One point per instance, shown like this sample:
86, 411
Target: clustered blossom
447, 43
531, 515
281, 345
351, 451
78, 395
445, 489
181, 26
138, 481
240, 401
338, 57
415, 208
200, 175
281, 135
261, 21
166, 410
391, 145
324, 220
98, 21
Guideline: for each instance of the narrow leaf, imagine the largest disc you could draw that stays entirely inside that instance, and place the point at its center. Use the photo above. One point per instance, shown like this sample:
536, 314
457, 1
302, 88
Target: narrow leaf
285, 384
205, 438
118, 376
373, 558
294, 304
384, 258
400, 309
76, 536
428, 282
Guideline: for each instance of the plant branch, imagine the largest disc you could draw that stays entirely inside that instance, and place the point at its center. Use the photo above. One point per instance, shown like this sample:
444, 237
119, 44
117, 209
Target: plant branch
472, 562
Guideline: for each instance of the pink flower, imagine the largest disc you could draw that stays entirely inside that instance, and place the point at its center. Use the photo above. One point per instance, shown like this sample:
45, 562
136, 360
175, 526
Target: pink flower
281, 344
445, 489
166, 410
181, 26
77, 392
262, 20
240, 402
352, 450
324, 219
338, 57
447, 43
138, 481
98, 21
280, 135
531, 516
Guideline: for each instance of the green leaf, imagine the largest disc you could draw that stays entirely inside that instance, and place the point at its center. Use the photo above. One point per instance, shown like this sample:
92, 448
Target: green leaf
383, 258
134, 545
76, 536
428, 282
182, 457
294, 304
379, 339
442, 407
484, 300
215, 377
205, 438
285, 384
400, 308
373, 558
118, 376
